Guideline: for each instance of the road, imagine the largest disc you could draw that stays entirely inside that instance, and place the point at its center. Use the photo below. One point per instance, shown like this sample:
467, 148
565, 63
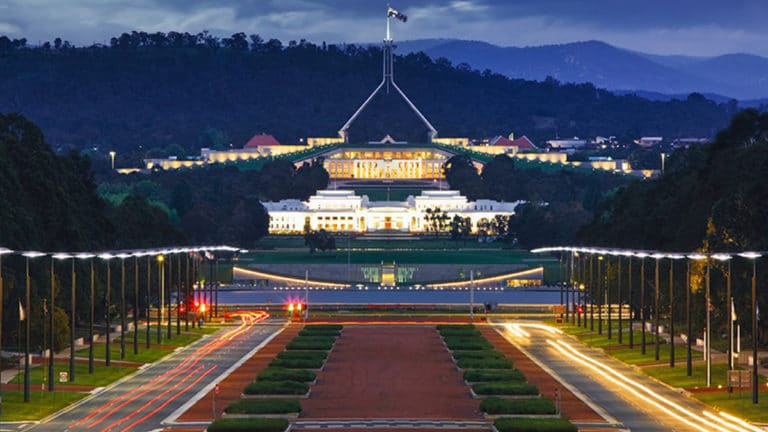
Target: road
628, 398
146, 399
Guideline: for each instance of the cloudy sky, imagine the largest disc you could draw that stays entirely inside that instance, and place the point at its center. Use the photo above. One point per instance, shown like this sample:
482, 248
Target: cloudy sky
691, 27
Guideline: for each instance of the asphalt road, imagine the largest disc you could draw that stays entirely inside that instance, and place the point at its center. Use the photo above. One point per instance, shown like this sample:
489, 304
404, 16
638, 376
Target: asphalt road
629, 399
146, 399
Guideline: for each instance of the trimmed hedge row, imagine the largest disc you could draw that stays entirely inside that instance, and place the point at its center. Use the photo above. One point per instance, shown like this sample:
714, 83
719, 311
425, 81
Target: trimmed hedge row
490, 363
282, 374
505, 388
319, 332
264, 406
303, 343
302, 355
497, 405
494, 375
482, 354
463, 343
534, 425
323, 327
276, 387
297, 363
248, 424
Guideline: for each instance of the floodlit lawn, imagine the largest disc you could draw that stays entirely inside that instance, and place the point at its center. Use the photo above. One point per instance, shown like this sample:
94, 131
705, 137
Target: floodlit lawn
40, 405
739, 404
414, 243
101, 376
676, 376
145, 355
153, 353
635, 357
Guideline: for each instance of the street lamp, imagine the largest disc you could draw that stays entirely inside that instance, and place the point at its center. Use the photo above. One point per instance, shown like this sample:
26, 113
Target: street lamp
90, 312
123, 323
642, 256
729, 316
112, 155
149, 284
107, 305
707, 332
3, 251
753, 256
63, 256
161, 296
656, 313
673, 258
28, 318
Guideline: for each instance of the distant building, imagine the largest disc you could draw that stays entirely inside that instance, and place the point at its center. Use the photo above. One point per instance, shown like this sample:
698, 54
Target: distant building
649, 141
687, 142
343, 211
260, 140
567, 144
522, 143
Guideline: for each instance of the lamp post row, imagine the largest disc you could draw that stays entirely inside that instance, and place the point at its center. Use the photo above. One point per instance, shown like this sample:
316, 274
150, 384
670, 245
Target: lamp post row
599, 290
25, 308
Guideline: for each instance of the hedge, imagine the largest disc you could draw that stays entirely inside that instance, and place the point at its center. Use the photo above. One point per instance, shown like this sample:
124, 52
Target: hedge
455, 327
482, 375
297, 363
533, 425
481, 354
458, 330
311, 344
249, 424
504, 388
276, 387
263, 406
325, 327
319, 332
497, 405
303, 355
491, 363
282, 374
466, 343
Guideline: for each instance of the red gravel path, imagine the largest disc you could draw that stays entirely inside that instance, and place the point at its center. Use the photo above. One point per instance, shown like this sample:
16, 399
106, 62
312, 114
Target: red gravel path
231, 387
390, 372
571, 407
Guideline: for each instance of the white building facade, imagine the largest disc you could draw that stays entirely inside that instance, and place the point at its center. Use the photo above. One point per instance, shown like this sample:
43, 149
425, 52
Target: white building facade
343, 211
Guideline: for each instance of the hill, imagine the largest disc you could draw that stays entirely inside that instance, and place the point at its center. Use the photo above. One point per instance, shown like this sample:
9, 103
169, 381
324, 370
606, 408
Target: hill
738, 76
158, 94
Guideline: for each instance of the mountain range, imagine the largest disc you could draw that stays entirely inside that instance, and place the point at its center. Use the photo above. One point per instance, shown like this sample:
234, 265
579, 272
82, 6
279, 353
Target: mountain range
739, 76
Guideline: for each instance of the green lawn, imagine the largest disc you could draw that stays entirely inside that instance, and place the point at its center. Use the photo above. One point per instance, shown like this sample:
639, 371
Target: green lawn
101, 376
399, 256
739, 403
41, 404
144, 356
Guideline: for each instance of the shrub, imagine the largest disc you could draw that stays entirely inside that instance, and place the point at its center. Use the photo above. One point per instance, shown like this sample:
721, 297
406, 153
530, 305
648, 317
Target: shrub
482, 375
467, 343
496, 405
764, 361
263, 406
480, 363
504, 388
458, 330
276, 387
306, 343
297, 363
319, 330
281, 374
336, 327
249, 424
481, 354
303, 355
533, 425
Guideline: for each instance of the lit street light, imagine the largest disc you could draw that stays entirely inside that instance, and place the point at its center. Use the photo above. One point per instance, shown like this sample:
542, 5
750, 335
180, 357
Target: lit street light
161, 296
91, 311
123, 323
107, 305
656, 314
755, 383
112, 155
28, 319
707, 307
63, 256
642, 256
672, 258
728, 300
3, 251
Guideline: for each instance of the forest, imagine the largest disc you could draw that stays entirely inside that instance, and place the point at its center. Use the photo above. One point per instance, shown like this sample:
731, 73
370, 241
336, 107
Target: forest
160, 94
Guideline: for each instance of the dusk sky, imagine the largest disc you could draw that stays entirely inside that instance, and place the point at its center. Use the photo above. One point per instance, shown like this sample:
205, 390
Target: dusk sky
690, 27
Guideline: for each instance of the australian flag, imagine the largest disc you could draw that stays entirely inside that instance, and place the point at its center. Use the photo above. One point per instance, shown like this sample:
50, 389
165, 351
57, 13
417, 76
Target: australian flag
393, 13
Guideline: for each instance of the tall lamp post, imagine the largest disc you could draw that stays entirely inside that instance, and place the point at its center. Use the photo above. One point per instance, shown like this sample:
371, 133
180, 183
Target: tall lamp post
753, 256
90, 311
123, 322
161, 296
629, 301
672, 258
642, 256
107, 306
62, 256
707, 330
112, 155
3, 251
727, 258
28, 318
656, 313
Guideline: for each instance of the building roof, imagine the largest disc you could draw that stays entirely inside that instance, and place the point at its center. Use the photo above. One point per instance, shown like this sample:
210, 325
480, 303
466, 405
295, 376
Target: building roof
261, 140
522, 143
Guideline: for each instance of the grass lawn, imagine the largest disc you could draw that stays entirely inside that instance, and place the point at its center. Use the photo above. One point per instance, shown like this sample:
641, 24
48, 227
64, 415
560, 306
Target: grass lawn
399, 256
101, 376
739, 404
40, 405
153, 353
144, 356
676, 376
